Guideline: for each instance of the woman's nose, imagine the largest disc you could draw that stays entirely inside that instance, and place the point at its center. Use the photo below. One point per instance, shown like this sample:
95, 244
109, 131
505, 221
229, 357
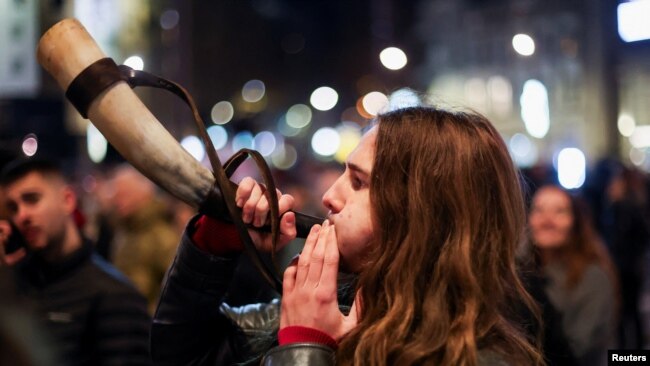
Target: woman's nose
332, 199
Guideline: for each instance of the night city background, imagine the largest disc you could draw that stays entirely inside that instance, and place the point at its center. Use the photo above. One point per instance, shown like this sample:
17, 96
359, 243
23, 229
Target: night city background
565, 82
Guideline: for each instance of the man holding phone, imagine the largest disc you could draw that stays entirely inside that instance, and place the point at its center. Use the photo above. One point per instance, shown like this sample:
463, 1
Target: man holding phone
90, 311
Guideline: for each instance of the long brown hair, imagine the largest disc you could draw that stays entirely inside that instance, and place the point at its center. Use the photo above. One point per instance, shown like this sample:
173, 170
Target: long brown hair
448, 211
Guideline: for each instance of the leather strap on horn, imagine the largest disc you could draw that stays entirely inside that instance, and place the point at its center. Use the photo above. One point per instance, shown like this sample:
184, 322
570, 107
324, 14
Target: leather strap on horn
91, 82
103, 73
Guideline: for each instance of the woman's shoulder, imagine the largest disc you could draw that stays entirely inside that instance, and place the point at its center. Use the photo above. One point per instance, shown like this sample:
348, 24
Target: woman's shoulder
595, 282
594, 272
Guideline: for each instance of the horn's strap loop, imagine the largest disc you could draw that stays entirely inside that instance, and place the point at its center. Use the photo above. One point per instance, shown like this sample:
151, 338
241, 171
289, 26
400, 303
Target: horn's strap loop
91, 82
223, 192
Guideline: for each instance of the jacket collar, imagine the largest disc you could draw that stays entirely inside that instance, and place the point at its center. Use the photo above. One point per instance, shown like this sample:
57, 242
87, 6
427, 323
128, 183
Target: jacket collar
42, 272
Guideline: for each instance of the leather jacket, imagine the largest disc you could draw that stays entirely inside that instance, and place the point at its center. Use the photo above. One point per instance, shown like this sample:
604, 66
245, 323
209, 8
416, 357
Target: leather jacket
192, 326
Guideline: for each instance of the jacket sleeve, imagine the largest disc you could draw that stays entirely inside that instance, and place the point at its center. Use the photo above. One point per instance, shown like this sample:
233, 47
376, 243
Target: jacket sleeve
188, 326
300, 354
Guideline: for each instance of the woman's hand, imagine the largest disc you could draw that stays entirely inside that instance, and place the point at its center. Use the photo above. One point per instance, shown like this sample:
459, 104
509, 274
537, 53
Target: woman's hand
255, 211
309, 293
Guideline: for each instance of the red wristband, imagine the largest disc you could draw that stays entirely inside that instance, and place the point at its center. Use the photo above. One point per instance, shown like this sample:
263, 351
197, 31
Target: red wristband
300, 334
216, 237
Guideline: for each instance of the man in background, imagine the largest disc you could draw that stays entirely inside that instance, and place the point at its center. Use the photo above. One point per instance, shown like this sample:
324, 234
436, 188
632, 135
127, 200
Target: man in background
90, 311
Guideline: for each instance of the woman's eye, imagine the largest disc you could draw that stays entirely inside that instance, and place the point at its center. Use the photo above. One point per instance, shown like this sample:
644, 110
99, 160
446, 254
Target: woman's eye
357, 183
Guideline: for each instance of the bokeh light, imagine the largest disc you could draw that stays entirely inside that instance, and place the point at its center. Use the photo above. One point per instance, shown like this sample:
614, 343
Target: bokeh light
96, 144
534, 108
242, 140
285, 157
253, 91
194, 146
169, 19
633, 22
640, 138
285, 129
218, 136
500, 92
476, 93
393, 58
626, 125
374, 103
135, 62
523, 151
324, 98
571, 168
30, 145
350, 135
222, 112
325, 141
403, 98
637, 156
298, 116
523, 44
264, 142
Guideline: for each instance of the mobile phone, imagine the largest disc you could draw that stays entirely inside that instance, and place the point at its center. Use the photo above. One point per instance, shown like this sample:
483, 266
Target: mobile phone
16, 240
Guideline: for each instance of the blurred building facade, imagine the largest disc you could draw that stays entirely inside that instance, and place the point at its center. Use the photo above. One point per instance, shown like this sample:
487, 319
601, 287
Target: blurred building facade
590, 75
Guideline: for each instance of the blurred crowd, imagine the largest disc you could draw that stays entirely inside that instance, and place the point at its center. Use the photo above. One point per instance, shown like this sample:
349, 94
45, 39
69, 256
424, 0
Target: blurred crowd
584, 259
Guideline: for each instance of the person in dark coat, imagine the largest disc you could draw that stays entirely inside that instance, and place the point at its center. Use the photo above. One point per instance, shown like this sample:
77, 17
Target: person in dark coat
89, 311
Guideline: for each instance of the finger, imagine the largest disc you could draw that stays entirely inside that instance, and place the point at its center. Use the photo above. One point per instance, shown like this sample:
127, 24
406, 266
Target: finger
287, 228
261, 211
12, 258
244, 190
330, 269
317, 256
15, 257
303, 260
248, 210
289, 278
285, 203
263, 206
288, 284
5, 232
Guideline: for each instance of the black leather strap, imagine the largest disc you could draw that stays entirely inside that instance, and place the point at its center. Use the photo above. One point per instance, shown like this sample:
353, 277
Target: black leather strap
91, 82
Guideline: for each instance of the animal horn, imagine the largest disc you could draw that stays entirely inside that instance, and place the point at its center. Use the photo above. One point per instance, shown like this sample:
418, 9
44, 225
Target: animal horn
67, 49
